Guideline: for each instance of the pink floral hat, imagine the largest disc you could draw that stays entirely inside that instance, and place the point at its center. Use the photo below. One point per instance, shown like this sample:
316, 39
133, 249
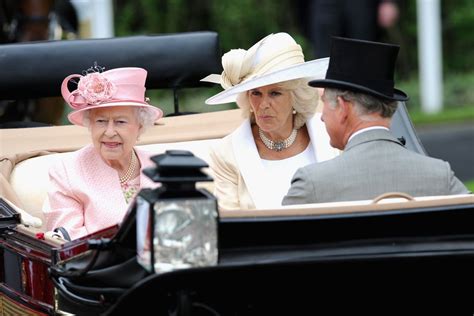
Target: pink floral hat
115, 87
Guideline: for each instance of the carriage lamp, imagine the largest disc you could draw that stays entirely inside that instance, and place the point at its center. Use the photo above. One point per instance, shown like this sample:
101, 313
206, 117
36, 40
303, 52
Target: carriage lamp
176, 223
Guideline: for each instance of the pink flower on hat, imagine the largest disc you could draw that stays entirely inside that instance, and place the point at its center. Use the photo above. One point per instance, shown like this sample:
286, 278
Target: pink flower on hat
95, 88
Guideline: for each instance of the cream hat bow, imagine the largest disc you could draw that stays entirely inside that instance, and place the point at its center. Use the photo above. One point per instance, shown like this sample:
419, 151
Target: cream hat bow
272, 53
275, 58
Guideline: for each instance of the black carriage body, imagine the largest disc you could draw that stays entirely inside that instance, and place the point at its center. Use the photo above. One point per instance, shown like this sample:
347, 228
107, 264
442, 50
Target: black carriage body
270, 262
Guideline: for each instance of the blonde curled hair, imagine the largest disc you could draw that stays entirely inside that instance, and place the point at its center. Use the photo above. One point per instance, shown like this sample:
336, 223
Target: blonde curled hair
304, 99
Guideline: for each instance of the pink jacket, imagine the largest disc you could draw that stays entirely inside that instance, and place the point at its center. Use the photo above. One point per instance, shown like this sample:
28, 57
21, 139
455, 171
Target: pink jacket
85, 194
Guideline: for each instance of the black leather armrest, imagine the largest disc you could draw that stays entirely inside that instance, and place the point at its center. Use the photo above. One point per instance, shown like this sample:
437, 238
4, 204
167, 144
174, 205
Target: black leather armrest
36, 69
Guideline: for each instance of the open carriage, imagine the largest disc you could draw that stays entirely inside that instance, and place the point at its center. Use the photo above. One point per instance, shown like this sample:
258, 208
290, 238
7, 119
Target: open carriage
269, 261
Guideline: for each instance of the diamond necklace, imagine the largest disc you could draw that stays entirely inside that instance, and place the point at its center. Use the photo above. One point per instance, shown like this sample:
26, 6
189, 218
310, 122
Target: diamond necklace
278, 145
131, 169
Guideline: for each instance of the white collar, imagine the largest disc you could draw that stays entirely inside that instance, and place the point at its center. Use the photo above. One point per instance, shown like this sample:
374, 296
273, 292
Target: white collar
251, 166
366, 130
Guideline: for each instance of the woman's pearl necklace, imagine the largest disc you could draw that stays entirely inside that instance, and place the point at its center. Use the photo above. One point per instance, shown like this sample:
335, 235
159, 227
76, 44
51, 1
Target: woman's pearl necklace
278, 145
131, 169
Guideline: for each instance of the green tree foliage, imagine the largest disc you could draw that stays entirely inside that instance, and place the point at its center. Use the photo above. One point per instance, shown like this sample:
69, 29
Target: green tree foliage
241, 23
458, 37
457, 18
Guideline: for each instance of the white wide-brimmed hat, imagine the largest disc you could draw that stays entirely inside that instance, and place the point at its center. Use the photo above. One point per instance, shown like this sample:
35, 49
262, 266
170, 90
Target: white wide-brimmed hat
275, 58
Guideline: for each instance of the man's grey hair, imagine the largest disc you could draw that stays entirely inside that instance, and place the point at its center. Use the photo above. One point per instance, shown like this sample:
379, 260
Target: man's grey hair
364, 103
144, 117
303, 97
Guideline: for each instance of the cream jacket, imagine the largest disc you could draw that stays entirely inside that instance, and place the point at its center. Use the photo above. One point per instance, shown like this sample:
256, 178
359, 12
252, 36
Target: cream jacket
240, 179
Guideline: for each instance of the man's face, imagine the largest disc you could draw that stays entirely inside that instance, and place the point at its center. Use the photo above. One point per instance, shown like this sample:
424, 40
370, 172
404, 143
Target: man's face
331, 116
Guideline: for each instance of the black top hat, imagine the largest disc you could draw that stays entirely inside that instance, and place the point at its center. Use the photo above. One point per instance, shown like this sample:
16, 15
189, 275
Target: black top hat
362, 66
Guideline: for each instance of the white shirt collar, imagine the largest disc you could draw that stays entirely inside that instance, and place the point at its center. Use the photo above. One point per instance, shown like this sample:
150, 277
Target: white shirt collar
365, 130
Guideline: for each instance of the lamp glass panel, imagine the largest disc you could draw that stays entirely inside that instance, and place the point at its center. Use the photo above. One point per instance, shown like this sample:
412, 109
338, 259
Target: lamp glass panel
143, 233
185, 234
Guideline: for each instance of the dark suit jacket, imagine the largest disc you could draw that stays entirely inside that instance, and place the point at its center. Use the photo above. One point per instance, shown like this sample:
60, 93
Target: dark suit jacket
373, 162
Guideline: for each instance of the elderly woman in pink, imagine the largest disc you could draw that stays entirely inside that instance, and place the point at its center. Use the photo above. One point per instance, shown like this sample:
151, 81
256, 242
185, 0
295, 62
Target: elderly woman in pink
91, 189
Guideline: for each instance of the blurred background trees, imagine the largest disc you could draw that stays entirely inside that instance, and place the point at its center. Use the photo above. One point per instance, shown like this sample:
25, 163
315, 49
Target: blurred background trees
242, 23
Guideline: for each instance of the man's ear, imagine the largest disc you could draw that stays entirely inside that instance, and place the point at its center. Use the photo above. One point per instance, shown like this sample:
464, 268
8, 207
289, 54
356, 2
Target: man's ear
344, 108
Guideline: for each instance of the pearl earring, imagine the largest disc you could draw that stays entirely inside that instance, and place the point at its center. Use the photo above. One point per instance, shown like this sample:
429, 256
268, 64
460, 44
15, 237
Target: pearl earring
294, 111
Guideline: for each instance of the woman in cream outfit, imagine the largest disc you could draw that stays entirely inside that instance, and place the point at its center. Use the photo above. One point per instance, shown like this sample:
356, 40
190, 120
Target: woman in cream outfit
253, 166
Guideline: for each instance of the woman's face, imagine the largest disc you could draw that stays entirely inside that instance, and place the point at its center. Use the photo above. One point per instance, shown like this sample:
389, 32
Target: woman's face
114, 131
272, 107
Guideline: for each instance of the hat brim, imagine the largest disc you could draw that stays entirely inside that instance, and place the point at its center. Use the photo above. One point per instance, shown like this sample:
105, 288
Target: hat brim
314, 69
398, 95
77, 116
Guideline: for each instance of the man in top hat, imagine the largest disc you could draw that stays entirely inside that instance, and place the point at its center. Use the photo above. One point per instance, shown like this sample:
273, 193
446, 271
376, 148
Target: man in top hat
359, 100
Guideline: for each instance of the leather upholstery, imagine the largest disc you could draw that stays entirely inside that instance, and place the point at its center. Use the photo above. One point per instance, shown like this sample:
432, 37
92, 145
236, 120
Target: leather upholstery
172, 61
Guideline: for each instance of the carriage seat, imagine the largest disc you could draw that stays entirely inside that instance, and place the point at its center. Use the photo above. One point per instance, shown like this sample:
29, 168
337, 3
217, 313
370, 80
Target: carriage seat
30, 181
